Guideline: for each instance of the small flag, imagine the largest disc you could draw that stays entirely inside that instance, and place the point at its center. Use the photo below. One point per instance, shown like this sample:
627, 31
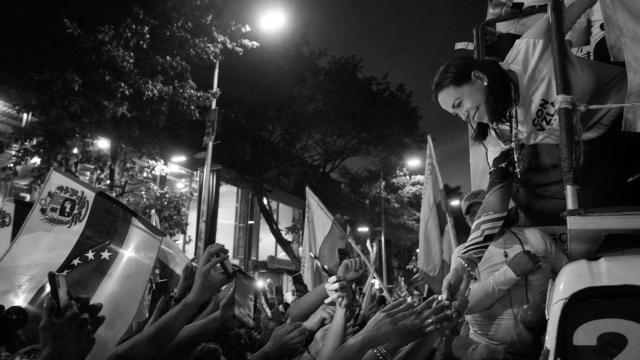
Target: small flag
322, 236
436, 235
107, 251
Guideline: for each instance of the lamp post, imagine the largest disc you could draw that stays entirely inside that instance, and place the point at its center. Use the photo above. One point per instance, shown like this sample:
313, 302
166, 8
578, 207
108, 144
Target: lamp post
410, 163
271, 21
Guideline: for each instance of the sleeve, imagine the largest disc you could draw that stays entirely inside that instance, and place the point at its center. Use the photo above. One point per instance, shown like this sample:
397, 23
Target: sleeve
486, 292
491, 216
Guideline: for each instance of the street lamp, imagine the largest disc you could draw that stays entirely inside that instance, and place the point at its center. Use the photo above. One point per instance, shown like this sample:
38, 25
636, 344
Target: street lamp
103, 143
178, 158
413, 163
362, 229
271, 21
454, 202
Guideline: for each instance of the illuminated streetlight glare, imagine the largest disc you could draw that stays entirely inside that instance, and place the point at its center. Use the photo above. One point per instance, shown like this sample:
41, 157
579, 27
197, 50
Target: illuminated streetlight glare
363, 229
103, 143
75, 150
178, 159
273, 20
181, 185
413, 163
454, 202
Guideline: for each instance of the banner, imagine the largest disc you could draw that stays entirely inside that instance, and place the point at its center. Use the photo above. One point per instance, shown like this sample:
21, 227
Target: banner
436, 235
106, 250
322, 236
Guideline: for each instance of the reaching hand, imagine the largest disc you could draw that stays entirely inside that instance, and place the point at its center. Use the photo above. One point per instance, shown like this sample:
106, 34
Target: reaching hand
524, 263
286, 341
186, 282
72, 335
339, 291
453, 280
384, 324
208, 280
320, 318
352, 269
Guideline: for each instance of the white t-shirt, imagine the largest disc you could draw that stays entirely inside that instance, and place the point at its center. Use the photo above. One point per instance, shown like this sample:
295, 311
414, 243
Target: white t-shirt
591, 83
498, 292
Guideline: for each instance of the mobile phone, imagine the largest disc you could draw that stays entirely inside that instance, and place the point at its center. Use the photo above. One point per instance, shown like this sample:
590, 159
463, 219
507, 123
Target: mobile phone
160, 289
226, 267
244, 298
59, 290
324, 268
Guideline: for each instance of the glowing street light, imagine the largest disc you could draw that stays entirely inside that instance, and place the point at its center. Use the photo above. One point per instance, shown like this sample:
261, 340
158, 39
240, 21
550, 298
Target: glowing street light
103, 143
181, 185
363, 229
272, 20
413, 163
454, 202
75, 150
178, 159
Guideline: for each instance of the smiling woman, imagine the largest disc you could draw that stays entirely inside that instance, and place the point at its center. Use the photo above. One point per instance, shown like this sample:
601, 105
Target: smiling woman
477, 91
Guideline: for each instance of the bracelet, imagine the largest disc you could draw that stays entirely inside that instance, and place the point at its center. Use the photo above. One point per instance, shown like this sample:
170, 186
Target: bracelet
467, 267
381, 353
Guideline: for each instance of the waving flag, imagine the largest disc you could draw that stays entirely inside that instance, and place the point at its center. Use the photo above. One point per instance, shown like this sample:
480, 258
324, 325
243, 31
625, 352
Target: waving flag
436, 235
322, 236
106, 250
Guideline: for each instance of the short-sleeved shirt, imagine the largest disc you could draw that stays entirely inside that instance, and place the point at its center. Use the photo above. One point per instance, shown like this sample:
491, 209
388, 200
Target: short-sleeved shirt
591, 83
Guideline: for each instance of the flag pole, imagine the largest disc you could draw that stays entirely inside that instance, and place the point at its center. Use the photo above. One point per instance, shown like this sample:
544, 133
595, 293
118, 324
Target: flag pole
452, 233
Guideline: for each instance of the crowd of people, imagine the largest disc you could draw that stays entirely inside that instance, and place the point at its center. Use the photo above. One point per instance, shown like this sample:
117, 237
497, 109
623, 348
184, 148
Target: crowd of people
492, 305
197, 321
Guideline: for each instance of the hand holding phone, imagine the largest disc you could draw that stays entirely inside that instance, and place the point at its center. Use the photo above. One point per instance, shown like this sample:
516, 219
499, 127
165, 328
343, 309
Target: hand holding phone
59, 291
324, 268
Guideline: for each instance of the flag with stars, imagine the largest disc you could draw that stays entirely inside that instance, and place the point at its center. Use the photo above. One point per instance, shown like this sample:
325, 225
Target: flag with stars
106, 250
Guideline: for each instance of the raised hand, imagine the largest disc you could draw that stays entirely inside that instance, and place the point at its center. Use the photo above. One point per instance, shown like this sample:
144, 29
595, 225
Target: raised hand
320, 318
208, 280
352, 269
186, 282
70, 336
339, 291
384, 324
286, 341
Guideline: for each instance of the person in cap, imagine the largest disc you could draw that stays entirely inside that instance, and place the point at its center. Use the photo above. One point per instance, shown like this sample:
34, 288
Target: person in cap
505, 315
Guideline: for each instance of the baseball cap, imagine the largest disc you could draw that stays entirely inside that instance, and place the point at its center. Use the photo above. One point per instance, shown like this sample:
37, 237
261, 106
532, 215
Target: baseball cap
476, 196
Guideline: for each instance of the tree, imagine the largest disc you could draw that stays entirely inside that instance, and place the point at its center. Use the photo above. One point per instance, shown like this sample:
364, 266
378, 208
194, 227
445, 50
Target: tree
119, 69
294, 117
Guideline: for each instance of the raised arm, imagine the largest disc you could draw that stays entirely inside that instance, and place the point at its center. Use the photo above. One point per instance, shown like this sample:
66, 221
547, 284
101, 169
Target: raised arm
152, 342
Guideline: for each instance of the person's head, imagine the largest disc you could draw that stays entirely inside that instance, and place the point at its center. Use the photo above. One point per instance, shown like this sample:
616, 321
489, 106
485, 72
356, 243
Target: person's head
470, 205
477, 91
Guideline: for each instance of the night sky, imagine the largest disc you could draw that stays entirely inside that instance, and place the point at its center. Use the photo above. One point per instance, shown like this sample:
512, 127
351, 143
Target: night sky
408, 39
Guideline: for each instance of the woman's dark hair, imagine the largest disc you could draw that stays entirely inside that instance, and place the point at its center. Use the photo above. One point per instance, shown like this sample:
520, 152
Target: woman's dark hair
500, 97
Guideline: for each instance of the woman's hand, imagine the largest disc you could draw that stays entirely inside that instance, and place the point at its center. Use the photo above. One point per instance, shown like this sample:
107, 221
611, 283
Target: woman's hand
208, 280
